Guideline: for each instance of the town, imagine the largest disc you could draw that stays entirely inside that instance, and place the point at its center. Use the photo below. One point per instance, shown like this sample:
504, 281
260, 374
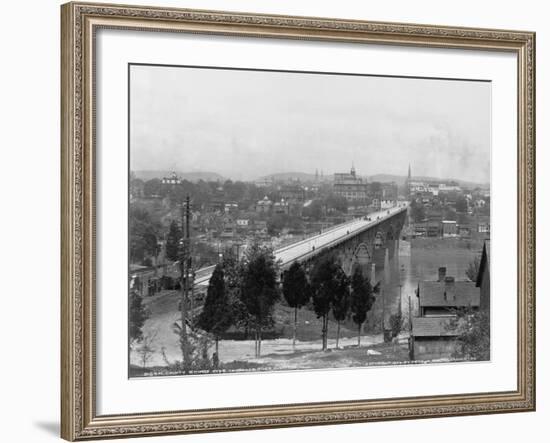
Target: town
407, 258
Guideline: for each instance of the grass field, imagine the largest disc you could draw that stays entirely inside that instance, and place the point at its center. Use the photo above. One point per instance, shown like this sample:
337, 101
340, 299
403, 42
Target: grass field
350, 356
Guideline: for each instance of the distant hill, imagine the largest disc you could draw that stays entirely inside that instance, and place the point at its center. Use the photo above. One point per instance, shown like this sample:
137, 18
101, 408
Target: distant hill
285, 176
191, 176
400, 180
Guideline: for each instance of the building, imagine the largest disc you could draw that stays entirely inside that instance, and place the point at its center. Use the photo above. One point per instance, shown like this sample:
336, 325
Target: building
281, 207
264, 206
441, 297
435, 328
265, 182
231, 207
449, 187
433, 338
293, 193
173, 180
483, 225
449, 228
389, 191
464, 231
350, 186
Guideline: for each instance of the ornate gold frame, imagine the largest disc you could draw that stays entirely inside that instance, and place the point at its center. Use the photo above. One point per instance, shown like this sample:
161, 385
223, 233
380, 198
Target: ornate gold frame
79, 21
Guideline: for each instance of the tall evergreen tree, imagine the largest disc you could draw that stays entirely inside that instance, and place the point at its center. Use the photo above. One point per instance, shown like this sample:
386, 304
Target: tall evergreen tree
259, 289
362, 299
172, 239
341, 301
216, 316
324, 284
296, 291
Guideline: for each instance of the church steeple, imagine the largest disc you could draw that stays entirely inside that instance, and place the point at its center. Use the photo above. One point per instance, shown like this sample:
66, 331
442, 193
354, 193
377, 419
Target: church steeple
409, 175
352, 171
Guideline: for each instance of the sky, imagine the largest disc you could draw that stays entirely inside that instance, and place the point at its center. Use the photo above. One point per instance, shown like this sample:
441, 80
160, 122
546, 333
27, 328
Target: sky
248, 124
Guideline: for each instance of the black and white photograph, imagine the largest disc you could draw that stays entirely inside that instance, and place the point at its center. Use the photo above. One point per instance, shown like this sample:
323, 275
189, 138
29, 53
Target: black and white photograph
290, 220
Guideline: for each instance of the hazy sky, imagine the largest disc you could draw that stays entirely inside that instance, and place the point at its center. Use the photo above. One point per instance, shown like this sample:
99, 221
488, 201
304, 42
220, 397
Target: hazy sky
245, 124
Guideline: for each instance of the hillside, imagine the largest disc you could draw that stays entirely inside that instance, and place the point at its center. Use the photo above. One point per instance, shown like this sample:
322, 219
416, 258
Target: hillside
191, 176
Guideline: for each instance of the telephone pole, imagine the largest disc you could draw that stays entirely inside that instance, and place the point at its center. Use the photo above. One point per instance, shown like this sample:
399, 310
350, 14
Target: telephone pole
186, 272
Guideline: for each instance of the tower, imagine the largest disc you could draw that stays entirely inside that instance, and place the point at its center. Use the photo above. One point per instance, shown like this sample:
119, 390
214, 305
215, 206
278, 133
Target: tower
352, 171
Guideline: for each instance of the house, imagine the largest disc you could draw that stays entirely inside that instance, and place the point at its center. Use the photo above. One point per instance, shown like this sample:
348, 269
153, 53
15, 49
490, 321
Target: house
435, 328
434, 338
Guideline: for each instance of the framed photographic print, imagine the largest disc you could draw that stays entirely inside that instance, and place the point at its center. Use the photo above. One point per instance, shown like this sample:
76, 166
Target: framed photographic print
281, 221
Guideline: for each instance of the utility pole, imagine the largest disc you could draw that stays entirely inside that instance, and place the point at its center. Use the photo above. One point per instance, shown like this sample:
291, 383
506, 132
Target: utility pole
186, 272
411, 338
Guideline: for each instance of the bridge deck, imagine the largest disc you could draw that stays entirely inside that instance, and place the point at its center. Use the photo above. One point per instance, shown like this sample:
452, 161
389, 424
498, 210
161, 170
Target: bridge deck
311, 246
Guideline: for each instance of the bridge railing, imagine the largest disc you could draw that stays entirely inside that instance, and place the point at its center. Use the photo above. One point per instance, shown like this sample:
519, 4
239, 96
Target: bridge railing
380, 217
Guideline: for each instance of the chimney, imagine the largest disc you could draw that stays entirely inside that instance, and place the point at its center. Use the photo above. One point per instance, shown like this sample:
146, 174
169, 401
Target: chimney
442, 273
449, 287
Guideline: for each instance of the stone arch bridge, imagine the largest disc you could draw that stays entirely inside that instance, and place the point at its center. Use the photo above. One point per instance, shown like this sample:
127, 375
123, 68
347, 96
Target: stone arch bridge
356, 242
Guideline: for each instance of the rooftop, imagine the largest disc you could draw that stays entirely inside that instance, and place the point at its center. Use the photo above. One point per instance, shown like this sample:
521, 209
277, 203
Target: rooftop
433, 327
448, 293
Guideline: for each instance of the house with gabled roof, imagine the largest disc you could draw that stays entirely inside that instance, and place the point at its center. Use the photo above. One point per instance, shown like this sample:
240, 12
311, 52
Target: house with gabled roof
436, 327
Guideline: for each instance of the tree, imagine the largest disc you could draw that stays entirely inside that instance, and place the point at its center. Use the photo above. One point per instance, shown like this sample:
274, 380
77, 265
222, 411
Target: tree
473, 269
474, 334
233, 269
138, 315
152, 187
341, 301
336, 202
396, 324
259, 289
461, 204
143, 236
418, 212
146, 350
324, 284
296, 291
450, 214
362, 299
172, 240
277, 222
216, 315
375, 188
314, 210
